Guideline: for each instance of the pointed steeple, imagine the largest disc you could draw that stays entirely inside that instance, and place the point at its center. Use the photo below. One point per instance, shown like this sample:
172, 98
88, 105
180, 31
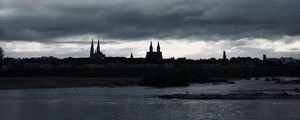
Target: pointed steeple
92, 48
151, 47
224, 55
98, 46
158, 47
131, 56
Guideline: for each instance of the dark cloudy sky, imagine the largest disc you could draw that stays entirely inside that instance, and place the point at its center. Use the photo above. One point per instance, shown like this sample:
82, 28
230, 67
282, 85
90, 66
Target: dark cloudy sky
190, 28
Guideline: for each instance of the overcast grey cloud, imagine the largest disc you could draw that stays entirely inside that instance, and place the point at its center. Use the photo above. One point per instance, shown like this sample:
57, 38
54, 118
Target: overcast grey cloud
186, 28
41, 20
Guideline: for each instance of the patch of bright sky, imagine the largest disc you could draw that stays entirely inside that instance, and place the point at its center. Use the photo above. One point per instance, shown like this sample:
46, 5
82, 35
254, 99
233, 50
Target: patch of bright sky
79, 46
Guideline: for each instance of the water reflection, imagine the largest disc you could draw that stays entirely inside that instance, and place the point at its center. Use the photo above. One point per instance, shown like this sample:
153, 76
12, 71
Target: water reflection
136, 103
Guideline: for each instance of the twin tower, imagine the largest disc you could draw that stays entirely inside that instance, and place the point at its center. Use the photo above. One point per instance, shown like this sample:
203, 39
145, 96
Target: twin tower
150, 56
154, 56
96, 54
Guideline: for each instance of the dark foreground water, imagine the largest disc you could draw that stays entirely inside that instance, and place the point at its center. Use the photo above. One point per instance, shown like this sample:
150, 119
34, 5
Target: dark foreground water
140, 103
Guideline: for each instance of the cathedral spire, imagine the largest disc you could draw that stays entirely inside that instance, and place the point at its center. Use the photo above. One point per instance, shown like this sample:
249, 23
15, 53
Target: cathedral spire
151, 47
92, 48
131, 56
224, 55
98, 46
158, 47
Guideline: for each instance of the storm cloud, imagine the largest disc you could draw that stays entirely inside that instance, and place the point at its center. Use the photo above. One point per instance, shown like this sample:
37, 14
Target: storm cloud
35, 20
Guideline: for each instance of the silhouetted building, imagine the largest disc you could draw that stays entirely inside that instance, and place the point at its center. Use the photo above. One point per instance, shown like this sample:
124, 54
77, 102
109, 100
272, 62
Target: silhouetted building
154, 56
92, 49
97, 54
131, 56
224, 55
264, 57
288, 60
1, 54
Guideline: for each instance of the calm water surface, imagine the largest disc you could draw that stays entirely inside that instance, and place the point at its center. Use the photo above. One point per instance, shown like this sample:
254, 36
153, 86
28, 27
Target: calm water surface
140, 103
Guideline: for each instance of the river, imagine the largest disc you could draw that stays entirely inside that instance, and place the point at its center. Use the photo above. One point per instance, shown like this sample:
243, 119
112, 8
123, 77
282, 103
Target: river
141, 103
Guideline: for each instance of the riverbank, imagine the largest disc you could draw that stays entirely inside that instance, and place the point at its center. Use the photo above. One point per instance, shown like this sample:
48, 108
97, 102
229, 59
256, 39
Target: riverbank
234, 96
64, 82
27, 82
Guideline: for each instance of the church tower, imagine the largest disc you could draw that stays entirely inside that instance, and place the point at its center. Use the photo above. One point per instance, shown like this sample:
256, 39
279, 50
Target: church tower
131, 56
97, 54
158, 47
98, 47
151, 47
92, 49
224, 55
154, 56
264, 57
